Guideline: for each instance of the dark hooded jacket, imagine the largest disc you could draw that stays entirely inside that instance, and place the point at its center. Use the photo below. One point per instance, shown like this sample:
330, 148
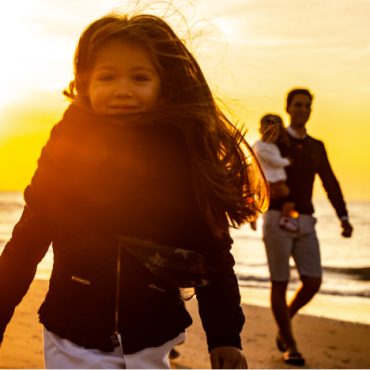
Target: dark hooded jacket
95, 180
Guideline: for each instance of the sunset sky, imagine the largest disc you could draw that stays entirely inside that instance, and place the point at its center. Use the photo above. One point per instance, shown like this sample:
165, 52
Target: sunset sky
252, 52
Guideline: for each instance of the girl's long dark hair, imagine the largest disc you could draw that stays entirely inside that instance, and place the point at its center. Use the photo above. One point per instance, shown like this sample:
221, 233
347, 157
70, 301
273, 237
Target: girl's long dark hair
229, 184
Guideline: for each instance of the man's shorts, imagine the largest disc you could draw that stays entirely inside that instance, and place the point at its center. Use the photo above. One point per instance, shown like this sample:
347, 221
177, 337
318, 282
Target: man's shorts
302, 245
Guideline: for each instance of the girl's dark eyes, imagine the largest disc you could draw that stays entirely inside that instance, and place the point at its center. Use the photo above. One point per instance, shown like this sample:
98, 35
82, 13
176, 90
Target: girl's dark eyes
112, 77
141, 78
105, 77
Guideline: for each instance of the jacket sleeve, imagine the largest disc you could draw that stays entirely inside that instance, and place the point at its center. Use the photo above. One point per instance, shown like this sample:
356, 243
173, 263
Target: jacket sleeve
219, 302
29, 243
331, 184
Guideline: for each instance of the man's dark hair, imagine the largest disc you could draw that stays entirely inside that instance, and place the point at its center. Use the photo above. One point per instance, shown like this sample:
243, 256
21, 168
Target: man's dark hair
299, 91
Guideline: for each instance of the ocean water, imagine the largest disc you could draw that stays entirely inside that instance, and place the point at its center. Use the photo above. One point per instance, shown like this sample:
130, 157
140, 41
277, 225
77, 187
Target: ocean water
346, 262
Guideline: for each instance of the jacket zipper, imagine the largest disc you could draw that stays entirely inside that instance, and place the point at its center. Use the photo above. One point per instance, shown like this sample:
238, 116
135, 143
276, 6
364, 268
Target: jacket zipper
115, 337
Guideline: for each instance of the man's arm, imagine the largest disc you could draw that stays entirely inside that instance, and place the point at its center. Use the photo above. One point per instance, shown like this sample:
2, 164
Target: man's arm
334, 192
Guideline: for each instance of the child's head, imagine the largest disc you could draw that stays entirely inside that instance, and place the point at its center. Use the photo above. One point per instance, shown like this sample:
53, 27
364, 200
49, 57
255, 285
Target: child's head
270, 127
123, 79
228, 187
119, 45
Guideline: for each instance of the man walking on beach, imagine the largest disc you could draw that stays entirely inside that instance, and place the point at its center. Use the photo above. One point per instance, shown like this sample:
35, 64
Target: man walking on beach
309, 158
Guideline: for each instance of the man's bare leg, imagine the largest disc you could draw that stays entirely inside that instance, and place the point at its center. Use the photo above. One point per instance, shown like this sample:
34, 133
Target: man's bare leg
309, 287
281, 313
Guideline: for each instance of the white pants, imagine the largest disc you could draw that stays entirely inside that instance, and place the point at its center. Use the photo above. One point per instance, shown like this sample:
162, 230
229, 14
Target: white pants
63, 354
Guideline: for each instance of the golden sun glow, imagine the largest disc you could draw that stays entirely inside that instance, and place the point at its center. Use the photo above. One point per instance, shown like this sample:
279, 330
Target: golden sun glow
11, 36
251, 53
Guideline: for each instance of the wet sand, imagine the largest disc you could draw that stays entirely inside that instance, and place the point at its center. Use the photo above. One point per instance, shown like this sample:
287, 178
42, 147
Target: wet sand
325, 343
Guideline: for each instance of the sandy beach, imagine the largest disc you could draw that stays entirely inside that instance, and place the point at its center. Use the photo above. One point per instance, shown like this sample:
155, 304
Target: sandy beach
325, 343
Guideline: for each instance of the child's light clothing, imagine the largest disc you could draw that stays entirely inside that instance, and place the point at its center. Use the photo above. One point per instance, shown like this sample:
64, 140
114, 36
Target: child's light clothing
273, 164
61, 353
271, 161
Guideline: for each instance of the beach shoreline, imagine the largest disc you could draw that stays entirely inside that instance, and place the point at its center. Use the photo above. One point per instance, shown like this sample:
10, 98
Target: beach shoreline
343, 308
326, 343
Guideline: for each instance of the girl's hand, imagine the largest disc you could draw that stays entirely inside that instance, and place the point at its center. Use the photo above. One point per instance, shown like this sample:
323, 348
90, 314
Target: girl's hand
228, 358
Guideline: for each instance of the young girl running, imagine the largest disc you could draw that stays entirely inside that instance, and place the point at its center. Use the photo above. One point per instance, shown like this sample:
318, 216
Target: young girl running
136, 189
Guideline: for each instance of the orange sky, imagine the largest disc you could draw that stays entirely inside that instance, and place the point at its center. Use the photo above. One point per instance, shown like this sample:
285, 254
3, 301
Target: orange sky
252, 52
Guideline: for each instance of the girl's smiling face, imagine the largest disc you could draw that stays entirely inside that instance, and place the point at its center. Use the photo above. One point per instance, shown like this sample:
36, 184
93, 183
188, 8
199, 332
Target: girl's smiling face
123, 79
